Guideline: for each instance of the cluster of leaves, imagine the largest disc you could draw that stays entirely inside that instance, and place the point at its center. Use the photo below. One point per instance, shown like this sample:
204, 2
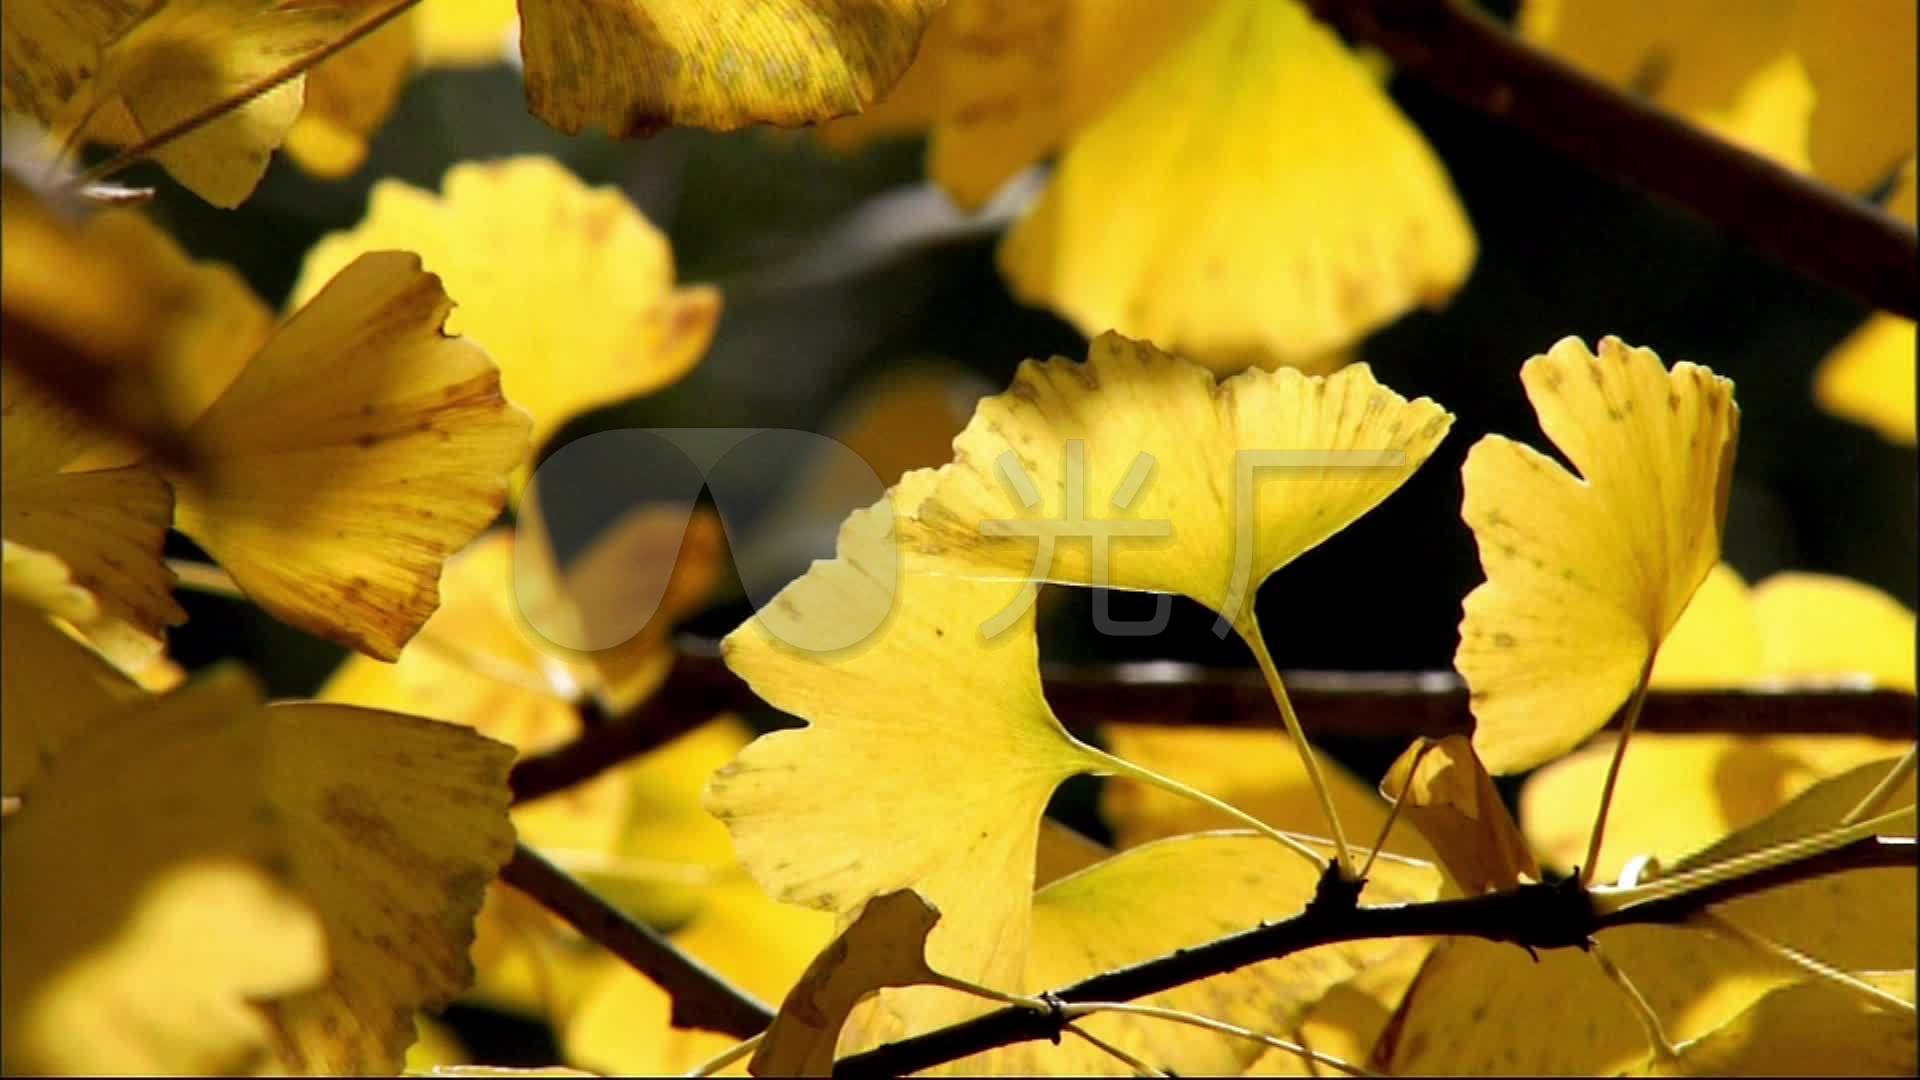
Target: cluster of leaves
198, 880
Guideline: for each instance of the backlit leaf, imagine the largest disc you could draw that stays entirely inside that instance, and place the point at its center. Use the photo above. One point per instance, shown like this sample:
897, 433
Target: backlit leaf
358, 449
568, 288
1254, 193
1586, 574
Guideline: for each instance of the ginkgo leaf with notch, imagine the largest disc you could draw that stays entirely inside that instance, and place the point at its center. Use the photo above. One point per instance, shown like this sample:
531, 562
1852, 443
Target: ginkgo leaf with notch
1587, 574
857, 805
598, 321
632, 67
357, 450
1254, 193
1206, 487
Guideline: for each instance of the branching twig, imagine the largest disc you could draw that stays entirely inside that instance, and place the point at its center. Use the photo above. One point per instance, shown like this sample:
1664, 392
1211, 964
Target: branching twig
701, 998
1804, 224
1547, 916
1359, 705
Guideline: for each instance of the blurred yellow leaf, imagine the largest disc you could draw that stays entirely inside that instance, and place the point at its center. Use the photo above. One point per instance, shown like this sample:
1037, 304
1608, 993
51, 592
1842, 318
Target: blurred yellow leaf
1678, 793
119, 72
358, 449
569, 289
1861, 56
1479, 1007
386, 827
52, 687
1253, 192
1868, 378
1445, 792
1811, 1028
466, 33
1694, 57
1255, 770
1586, 574
1176, 893
1822, 625
147, 902
348, 97
884, 946
635, 66
106, 526
1000, 85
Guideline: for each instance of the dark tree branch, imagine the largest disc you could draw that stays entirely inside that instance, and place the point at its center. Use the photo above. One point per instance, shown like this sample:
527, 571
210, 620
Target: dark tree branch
1352, 705
1547, 916
1822, 233
701, 998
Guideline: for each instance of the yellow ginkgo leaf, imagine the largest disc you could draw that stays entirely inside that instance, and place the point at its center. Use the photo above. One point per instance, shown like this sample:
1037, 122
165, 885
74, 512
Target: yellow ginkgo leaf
1678, 793
957, 824
1479, 1007
1444, 792
569, 289
394, 826
466, 33
622, 1024
635, 66
1861, 58
1716, 642
1869, 378
121, 72
1178, 461
1822, 625
348, 97
1811, 1028
1254, 192
1586, 574
1253, 769
358, 449
388, 827
1171, 894
613, 607
145, 862
1771, 114
106, 526
1190, 472
884, 946
52, 687
1695, 57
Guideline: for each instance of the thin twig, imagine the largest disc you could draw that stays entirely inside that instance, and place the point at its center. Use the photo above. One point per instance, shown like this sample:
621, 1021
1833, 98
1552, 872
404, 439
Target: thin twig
1357, 705
701, 998
1541, 916
1140, 1068
1656, 1032
1824, 234
1208, 1023
1632, 718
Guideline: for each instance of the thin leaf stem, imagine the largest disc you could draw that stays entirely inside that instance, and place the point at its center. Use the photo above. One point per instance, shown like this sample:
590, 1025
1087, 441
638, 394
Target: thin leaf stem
1883, 790
1250, 632
1793, 957
1120, 766
1663, 1047
1607, 901
727, 1057
1140, 1068
1632, 717
1393, 813
1208, 1023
